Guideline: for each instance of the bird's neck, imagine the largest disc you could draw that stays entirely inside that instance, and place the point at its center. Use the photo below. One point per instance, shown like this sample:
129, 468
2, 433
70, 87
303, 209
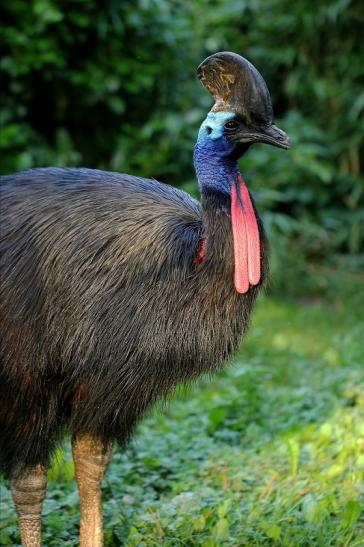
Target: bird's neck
230, 231
216, 171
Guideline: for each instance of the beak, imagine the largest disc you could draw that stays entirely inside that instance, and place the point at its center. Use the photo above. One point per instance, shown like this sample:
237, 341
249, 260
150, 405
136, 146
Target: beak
269, 135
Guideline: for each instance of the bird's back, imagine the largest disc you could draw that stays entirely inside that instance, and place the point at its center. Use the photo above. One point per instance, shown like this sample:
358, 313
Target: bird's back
66, 226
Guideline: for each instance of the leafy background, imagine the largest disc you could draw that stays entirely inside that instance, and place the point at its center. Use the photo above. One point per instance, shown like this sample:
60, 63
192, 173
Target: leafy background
112, 84
276, 442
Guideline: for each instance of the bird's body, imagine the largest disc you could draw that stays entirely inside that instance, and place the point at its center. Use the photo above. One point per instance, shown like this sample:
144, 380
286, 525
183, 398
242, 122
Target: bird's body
114, 289
100, 318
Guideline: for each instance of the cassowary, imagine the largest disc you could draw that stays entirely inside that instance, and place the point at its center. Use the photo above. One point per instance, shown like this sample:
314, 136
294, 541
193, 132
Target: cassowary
114, 289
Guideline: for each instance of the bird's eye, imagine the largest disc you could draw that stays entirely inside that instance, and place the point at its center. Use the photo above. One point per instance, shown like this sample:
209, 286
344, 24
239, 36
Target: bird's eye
231, 125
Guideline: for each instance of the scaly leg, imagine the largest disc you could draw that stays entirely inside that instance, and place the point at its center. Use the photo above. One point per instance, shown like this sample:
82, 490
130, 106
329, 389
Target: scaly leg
28, 490
91, 458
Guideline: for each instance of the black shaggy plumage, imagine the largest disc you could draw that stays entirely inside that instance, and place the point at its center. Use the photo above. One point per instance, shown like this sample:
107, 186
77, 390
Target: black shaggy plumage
103, 308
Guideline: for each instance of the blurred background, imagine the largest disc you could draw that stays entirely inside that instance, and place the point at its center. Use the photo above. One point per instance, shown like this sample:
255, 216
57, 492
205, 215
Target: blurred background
112, 85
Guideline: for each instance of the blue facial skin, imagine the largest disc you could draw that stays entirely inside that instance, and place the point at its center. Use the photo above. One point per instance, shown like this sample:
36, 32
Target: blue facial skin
215, 167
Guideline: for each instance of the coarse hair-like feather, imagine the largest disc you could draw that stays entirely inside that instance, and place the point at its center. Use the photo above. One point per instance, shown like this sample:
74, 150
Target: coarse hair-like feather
103, 308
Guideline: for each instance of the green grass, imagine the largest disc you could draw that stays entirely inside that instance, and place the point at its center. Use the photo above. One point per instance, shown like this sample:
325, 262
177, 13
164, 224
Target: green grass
269, 452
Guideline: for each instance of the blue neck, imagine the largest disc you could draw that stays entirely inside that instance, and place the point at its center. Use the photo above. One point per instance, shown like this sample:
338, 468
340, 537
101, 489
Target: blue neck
214, 172
214, 164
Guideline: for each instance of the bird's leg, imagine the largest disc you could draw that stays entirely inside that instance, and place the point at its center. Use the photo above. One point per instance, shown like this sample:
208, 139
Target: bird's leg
28, 489
91, 458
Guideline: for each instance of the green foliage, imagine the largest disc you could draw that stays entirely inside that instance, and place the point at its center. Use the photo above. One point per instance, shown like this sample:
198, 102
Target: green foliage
270, 452
113, 85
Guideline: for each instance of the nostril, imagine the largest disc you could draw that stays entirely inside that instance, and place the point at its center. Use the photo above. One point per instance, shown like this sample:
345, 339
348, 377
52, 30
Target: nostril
209, 130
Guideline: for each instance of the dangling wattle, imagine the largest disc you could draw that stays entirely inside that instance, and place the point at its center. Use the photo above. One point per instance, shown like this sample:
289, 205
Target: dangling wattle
246, 240
218, 175
245, 237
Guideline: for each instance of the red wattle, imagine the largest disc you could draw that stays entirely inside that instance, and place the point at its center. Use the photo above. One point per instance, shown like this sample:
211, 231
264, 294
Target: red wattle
240, 244
201, 251
246, 240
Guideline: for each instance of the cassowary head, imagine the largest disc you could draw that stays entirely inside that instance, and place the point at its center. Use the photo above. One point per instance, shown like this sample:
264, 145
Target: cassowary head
242, 113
